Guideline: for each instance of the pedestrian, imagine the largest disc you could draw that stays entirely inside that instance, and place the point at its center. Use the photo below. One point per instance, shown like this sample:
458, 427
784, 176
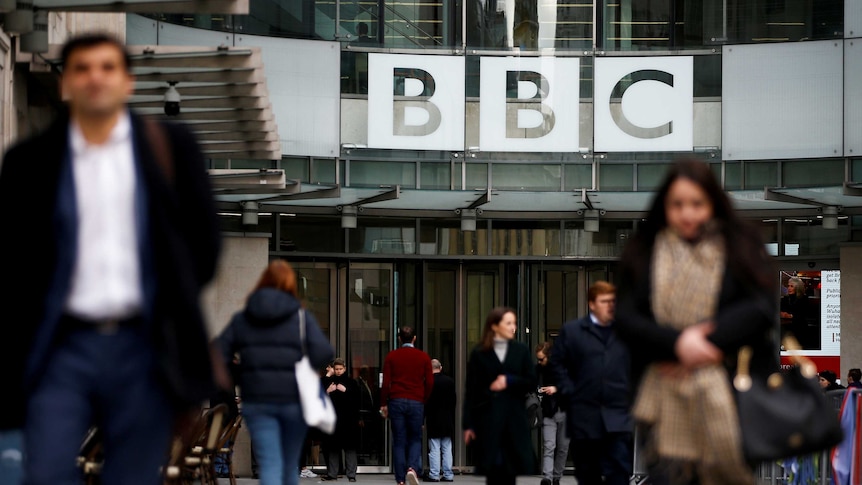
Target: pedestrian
109, 260
829, 381
344, 393
555, 438
854, 378
407, 384
266, 335
592, 367
697, 285
500, 372
440, 425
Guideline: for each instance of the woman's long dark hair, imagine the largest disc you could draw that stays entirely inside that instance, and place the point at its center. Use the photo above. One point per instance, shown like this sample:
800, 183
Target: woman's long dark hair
746, 253
495, 316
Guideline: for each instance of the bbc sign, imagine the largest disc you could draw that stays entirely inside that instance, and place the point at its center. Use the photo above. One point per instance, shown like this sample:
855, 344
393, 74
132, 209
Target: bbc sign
530, 104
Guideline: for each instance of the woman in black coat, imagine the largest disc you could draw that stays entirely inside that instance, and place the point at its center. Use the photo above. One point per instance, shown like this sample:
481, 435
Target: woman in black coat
500, 372
344, 392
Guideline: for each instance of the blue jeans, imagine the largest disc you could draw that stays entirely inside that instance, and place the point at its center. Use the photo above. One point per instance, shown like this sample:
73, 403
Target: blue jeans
11, 456
109, 379
436, 446
407, 416
277, 435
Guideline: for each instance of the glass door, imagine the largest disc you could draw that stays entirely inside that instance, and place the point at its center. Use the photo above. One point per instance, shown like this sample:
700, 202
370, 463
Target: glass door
370, 335
555, 298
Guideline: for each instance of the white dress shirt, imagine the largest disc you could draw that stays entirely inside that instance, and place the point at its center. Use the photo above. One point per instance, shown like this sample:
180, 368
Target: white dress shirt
106, 279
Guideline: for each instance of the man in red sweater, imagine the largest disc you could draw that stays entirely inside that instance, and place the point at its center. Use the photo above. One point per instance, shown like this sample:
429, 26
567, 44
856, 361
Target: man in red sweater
407, 383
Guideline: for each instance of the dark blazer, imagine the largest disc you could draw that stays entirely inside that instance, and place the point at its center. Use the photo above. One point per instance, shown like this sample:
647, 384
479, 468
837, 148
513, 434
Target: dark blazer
440, 408
499, 419
180, 244
593, 377
746, 315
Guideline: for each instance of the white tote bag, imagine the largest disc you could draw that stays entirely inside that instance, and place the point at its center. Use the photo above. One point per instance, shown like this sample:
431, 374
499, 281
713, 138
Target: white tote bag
317, 408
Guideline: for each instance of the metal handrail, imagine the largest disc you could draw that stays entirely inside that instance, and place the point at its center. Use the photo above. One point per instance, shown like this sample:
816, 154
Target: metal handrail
393, 27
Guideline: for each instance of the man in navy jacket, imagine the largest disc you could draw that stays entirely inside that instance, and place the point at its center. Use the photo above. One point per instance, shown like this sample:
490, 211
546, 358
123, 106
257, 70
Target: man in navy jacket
592, 366
106, 264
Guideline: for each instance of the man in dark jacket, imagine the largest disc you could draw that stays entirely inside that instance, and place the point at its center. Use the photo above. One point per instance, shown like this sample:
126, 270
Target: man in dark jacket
344, 392
119, 236
440, 424
592, 366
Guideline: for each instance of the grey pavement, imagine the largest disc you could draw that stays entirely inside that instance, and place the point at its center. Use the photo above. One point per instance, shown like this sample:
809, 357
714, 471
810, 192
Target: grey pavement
389, 479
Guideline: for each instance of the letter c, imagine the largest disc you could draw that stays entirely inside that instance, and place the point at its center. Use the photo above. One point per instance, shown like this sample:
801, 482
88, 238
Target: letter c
619, 117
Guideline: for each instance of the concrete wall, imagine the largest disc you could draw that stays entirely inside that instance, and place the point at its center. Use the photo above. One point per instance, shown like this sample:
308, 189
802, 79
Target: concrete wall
851, 307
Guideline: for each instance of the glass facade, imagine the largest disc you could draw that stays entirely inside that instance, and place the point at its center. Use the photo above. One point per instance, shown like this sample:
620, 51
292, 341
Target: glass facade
613, 25
412, 262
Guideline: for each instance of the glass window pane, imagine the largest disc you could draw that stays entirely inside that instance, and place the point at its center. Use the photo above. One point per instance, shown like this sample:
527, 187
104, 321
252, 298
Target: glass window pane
529, 25
579, 176
522, 238
810, 173
376, 236
618, 178
761, 174
435, 175
323, 171
651, 175
311, 234
446, 238
477, 176
856, 170
295, 169
768, 229
805, 236
732, 175
527, 176
376, 174
608, 242
240, 163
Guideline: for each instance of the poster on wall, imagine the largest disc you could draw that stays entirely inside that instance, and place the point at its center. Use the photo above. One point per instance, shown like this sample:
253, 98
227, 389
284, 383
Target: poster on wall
810, 310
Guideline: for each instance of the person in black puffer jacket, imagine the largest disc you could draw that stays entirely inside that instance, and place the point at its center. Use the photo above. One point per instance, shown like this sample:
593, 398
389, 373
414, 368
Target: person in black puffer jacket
265, 335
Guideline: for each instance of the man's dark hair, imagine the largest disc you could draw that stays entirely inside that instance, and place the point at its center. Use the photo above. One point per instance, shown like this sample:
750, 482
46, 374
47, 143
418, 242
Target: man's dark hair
855, 374
87, 41
406, 334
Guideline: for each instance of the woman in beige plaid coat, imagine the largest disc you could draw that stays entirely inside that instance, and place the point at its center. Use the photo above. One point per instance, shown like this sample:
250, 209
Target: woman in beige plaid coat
696, 286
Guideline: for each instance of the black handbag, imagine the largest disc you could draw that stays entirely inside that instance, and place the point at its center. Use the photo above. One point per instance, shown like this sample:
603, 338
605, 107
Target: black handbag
786, 414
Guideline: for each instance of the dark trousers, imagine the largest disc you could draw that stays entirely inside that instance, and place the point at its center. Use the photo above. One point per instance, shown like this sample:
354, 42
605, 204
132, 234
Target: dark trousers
106, 379
609, 456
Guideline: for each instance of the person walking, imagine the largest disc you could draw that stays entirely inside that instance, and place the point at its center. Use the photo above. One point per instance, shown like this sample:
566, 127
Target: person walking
440, 425
266, 335
697, 285
500, 372
592, 367
407, 384
109, 260
555, 439
344, 393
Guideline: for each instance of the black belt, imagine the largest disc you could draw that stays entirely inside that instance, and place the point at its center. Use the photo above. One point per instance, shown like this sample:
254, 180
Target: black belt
103, 325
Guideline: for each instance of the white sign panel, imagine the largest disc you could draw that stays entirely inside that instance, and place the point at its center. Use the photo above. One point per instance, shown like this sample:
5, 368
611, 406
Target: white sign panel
830, 312
529, 104
415, 102
656, 112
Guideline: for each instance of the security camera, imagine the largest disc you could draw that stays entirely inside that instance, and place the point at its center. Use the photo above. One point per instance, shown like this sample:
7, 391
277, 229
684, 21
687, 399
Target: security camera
172, 100
812, 264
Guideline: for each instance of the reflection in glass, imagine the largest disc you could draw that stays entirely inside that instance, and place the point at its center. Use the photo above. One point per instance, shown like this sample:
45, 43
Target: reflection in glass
310, 234
523, 238
370, 337
440, 316
527, 176
529, 24
378, 174
607, 243
812, 173
805, 236
384, 237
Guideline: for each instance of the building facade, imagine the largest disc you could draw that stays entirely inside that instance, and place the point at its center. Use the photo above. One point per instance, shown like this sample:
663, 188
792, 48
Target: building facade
446, 157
